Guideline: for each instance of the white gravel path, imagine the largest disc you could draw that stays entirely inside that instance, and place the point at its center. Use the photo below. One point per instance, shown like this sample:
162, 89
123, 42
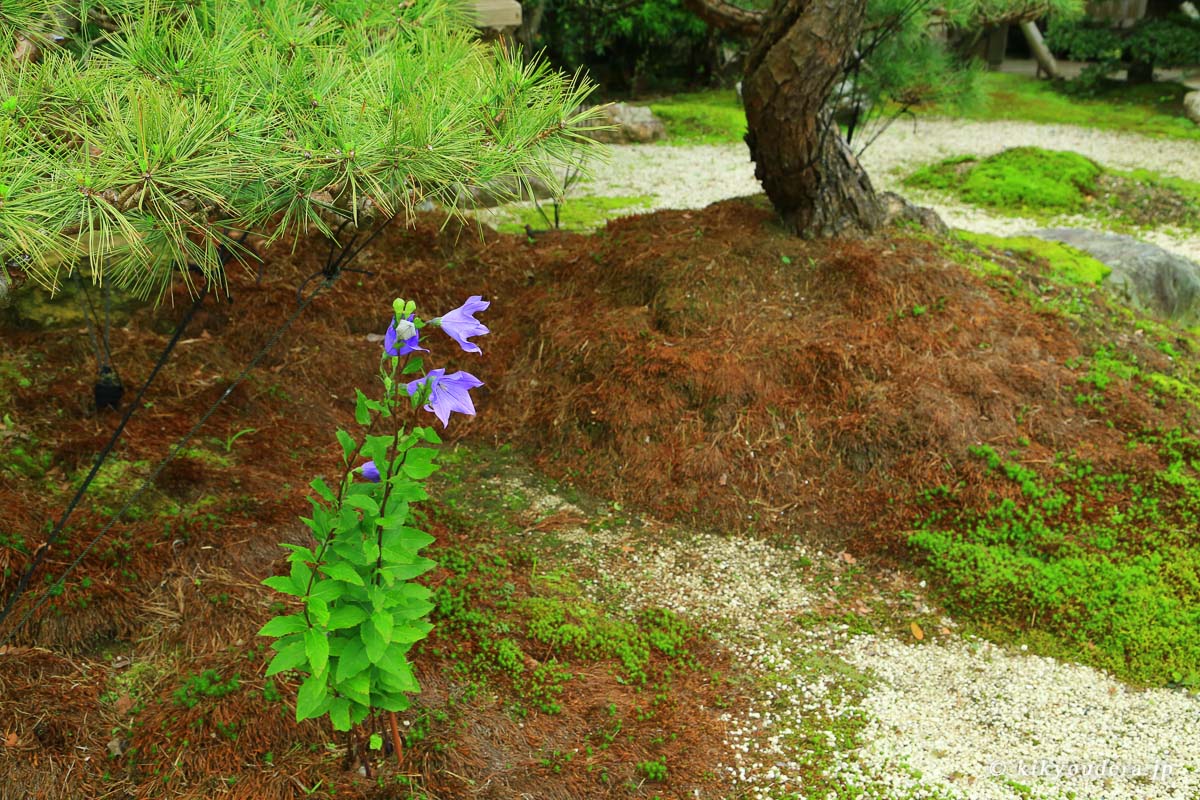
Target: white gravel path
832, 715
694, 177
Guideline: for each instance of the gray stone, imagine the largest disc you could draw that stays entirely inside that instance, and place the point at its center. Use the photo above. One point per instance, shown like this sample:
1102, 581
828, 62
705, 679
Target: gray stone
1146, 276
1191, 106
622, 123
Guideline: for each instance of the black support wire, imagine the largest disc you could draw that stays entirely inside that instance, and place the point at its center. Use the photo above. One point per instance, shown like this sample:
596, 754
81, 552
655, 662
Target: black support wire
56, 533
179, 446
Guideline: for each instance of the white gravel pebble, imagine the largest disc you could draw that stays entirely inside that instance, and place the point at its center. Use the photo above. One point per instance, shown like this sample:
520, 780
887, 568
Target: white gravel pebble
694, 177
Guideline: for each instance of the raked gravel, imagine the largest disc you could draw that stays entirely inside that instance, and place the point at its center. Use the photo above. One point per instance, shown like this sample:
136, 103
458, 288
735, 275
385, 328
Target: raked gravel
694, 177
881, 717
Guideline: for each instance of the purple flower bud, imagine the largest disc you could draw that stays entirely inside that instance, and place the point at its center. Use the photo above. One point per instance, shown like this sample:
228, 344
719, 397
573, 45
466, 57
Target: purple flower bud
447, 393
460, 324
405, 332
370, 471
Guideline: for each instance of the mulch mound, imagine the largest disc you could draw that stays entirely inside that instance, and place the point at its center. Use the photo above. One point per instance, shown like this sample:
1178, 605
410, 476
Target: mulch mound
704, 366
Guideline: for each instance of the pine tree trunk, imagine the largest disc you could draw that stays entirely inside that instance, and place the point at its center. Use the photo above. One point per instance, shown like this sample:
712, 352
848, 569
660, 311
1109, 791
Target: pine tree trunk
805, 166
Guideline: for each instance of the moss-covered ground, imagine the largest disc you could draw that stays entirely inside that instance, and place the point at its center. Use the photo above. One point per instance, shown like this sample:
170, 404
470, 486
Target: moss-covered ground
1044, 184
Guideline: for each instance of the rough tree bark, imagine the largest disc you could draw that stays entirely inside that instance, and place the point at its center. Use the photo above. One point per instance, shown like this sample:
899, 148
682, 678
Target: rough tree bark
806, 168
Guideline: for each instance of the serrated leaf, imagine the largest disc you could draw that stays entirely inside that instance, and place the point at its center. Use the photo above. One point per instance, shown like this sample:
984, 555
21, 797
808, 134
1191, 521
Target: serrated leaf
345, 617
289, 657
428, 434
348, 447
301, 576
318, 609
342, 571
407, 634
358, 687
327, 589
281, 626
339, 714
352, 661
415, 365
382, 622
316, 647
313, 698
321, 488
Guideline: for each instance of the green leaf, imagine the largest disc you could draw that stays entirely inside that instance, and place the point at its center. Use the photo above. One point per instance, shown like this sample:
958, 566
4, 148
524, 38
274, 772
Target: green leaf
406, 489
415, 365
345, 617
375, 644
418, 463
318, 609
362, 411
410, 633
301, 576
403, 572
403, 542
320, 487
382, 621
358, 687
339, 714
396, 673
300, 553
316, 647
284, 585
428, 434
393, 701
352, 661
351, 553
366, 504
342, 571
289, 657
375, 742
348, 447
280, 626
313, 699
328, 590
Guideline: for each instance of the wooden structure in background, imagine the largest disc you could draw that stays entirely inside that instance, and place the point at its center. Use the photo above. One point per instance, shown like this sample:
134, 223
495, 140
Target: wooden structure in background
1120, 12
497, 15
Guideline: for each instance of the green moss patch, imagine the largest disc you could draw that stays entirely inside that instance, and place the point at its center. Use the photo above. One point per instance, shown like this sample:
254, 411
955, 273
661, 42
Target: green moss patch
1073, 266
1030, 181
1090, 564
712, 117
1016, 179
579, 214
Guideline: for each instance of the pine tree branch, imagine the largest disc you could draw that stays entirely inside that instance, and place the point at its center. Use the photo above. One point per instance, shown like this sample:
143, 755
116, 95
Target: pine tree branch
727, 17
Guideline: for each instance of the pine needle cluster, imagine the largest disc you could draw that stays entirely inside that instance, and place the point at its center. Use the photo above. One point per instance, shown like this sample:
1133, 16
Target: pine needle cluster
142, 139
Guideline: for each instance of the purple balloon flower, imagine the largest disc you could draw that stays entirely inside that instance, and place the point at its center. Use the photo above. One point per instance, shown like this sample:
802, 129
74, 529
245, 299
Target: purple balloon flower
447, 393
370, 471
460, 324
410, 342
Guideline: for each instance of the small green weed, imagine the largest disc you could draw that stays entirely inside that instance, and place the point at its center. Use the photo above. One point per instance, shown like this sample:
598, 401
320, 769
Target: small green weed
207, 684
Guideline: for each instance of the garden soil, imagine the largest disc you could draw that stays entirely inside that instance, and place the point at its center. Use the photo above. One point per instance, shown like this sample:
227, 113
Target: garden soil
701, 366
